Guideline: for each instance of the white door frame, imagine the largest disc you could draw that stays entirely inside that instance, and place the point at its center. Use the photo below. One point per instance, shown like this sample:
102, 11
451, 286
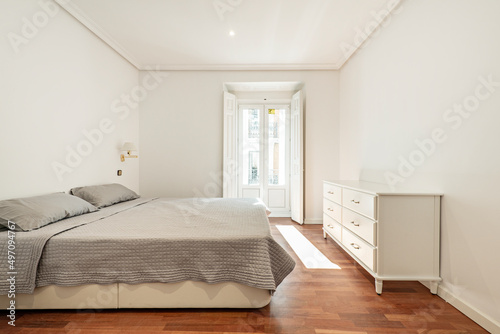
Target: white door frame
264, 188
231, 169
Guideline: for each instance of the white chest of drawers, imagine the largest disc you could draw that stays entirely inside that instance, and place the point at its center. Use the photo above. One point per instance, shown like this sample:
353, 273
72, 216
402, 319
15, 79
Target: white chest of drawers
394, 234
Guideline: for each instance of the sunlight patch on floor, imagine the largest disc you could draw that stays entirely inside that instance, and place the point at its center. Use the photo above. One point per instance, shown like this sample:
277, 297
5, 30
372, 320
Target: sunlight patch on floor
310, 256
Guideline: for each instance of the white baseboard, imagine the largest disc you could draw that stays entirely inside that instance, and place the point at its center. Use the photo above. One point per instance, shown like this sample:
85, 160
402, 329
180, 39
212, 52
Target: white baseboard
470, 311
313, 221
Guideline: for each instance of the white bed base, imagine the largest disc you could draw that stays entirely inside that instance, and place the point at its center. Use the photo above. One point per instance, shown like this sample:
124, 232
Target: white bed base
187, 294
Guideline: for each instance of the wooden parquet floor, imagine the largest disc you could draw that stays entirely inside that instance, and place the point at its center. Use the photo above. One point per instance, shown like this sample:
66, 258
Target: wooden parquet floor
309, 301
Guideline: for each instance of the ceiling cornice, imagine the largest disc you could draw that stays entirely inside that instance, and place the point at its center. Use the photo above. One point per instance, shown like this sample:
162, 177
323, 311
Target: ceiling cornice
396, 6
80, 16
247, 67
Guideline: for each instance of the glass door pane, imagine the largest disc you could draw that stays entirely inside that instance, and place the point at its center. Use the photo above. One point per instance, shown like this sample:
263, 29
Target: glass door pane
251, 146
277, 146
264, 155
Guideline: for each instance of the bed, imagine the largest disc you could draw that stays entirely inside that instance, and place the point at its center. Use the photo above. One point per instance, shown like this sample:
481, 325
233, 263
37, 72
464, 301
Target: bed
149, 253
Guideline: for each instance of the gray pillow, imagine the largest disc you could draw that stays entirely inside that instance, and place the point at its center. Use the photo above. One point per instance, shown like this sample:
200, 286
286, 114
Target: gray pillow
34, 212
104, 195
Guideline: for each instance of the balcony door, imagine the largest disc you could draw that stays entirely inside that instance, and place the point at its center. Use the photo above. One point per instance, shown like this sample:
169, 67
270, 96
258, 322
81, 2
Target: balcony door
264, 155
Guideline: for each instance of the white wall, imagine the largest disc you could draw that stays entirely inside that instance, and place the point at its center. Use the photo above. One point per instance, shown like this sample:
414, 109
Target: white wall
396, 91
61, 81
181, 130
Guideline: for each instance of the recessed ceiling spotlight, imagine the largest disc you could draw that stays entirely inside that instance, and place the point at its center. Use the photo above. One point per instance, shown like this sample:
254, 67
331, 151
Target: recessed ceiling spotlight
231, 33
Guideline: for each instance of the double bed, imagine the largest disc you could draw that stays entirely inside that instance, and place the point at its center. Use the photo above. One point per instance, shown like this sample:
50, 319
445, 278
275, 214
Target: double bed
148, 253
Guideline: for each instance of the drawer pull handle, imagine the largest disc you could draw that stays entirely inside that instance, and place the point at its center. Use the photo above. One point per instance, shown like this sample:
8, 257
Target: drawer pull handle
355, 224
330, 192
330, 226
355, 202
330, 209
355, 246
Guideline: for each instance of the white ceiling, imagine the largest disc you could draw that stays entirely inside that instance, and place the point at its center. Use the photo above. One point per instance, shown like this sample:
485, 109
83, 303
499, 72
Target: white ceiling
194, 34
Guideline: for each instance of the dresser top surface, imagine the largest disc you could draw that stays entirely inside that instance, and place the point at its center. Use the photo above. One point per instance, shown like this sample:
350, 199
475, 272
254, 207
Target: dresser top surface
383, 189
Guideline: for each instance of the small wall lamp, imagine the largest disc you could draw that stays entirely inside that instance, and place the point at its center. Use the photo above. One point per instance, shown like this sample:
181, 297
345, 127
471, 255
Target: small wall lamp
128, 147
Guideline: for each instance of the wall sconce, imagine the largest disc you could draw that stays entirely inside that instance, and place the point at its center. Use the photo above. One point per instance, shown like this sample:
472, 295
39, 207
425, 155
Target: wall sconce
128, 147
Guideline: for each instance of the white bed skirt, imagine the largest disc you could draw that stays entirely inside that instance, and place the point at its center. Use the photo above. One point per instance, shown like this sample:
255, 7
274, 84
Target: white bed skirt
188, 294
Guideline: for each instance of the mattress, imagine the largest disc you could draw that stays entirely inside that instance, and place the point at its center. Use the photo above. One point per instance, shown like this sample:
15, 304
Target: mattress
152, 241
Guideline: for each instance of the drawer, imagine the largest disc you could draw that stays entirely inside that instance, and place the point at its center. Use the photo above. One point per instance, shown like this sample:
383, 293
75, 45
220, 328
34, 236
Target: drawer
333, 193
360, 202
332, 227
360, 225
362, 250
332, 209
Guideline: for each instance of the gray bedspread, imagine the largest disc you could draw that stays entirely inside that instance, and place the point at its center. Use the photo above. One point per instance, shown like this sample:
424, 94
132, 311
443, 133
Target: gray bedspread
159, 240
